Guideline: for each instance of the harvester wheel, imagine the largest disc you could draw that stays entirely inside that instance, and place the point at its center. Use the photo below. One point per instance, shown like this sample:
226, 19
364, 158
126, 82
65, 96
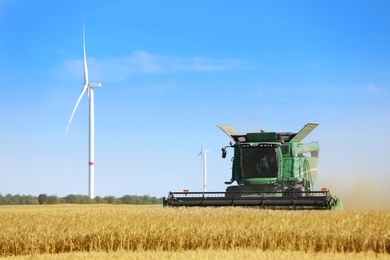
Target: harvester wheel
233, 192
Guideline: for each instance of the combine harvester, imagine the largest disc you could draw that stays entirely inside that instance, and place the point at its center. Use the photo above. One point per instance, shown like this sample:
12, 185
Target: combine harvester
272, 171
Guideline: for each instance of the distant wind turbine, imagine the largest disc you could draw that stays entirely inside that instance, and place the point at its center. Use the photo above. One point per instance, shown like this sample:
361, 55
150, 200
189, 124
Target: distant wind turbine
203, 154
88, 86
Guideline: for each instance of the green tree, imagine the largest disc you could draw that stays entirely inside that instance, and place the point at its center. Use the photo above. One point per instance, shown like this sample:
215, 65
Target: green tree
86, 200
127, 199
52, 199
75, 199
42, 199
30, 200
100, 200
112, 200
8, 199
71, 198
16, 200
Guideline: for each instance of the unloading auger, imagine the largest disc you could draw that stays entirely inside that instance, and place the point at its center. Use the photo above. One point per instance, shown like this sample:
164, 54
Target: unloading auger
272, 171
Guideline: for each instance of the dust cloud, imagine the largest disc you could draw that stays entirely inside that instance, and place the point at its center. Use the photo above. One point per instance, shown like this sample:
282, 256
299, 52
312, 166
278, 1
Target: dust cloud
365, 191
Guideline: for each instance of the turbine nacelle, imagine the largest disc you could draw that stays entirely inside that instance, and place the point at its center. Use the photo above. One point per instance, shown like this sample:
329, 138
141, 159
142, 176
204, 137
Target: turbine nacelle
94, 85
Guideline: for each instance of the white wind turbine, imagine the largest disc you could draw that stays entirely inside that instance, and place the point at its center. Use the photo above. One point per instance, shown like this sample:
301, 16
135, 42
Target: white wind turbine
88, 86
203, 154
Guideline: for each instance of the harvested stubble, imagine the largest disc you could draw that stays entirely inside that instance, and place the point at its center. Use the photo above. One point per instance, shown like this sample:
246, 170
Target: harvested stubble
27, 230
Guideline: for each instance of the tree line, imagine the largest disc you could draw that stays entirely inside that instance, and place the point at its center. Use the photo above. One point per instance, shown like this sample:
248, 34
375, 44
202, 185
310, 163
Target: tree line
76, 199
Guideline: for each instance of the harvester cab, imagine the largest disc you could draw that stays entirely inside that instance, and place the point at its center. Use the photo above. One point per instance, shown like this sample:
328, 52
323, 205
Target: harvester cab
270, 161
271, 170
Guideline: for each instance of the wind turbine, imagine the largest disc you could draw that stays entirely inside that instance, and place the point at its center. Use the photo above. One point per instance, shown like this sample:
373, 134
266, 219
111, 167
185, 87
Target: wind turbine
88, 86
203, 154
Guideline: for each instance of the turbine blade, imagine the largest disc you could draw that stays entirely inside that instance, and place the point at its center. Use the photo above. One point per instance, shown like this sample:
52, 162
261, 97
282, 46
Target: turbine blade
85, 59
75, 107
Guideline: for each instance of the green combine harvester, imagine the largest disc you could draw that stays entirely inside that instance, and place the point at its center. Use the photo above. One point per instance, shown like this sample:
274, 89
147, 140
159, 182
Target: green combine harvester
272, 171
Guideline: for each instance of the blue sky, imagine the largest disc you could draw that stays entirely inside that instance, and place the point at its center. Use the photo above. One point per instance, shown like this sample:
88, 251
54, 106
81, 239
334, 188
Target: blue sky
173, 70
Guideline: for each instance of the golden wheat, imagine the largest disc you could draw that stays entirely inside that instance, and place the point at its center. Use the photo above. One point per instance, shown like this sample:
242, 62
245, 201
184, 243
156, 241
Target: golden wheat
33, 230
206, 254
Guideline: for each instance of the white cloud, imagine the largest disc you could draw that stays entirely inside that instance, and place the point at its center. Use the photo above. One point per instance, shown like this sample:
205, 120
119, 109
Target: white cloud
374, 90
142, 62
160, 88
340, 93
284, 93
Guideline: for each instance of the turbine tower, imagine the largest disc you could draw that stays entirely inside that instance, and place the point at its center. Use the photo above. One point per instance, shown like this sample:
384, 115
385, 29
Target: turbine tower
88, 86
203, 154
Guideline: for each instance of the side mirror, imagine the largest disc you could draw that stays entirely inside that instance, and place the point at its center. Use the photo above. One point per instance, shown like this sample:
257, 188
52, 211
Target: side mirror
292, 152
223, 152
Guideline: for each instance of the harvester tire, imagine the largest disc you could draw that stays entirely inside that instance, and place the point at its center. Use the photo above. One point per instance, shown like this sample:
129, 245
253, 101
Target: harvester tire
233, 192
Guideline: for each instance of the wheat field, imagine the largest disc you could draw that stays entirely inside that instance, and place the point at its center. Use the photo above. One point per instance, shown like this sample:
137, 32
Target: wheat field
154, 232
